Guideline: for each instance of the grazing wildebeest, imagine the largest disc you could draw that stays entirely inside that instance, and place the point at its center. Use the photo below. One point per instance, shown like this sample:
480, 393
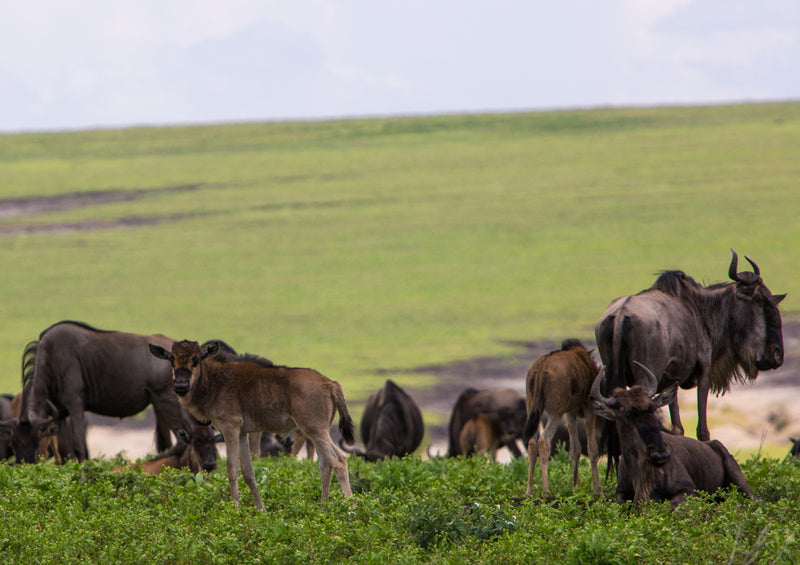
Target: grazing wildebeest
655, 464
241, 397
485, 433
697, 336
79, 368
391, 425
471, 402
558, 384
194, 450
5, 414
274, 445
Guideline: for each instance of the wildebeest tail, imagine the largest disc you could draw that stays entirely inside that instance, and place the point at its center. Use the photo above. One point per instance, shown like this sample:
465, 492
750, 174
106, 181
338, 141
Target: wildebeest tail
346, 425
616, 377
538, 382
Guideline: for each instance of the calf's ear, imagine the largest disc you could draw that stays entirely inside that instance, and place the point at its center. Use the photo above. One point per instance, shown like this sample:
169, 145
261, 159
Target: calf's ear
210, 349
160, 352
776, 298
666, 396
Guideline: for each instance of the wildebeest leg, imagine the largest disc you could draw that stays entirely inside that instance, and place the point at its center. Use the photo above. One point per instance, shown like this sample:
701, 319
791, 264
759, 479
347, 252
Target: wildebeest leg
733, 473
331, 459
593, 452
533, 453
247, 468
702, 409
574, 447
255, 443
231, 435
544, 451
77, 423
675, 417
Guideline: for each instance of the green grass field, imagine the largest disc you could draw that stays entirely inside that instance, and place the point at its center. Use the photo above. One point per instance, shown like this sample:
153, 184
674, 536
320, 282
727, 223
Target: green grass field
352, 246
356, 246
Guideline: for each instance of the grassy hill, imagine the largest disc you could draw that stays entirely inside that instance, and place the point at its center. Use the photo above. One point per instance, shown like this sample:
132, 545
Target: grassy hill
359, 245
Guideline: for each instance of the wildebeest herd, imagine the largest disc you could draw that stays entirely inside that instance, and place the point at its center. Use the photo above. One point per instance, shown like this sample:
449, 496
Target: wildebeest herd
675, 333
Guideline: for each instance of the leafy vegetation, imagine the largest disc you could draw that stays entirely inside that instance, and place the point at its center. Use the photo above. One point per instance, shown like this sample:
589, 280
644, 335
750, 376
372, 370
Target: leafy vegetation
403, 511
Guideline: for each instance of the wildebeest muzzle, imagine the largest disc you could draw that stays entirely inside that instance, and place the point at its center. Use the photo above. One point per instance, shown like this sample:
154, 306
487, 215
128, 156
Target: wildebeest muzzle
181, 379
773, 358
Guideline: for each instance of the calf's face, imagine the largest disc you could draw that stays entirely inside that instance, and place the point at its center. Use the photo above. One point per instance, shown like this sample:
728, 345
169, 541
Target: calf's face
185, 359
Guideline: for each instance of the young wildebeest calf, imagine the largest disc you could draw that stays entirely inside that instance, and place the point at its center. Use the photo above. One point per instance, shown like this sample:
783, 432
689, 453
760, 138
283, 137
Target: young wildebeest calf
557, 385
655, 464
241, 397
487, 432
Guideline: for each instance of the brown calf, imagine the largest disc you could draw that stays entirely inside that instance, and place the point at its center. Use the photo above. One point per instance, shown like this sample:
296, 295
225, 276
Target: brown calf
242, 397
484, 433
558, 385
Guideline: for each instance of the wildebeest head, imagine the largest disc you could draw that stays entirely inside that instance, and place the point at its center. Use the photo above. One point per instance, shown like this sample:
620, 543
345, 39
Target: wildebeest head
634, 410
757, 319
203, 441
185, 358
26, 435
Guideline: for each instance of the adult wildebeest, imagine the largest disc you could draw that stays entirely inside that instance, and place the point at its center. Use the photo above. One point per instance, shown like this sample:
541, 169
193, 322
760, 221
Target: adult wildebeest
391, 425
486, 433
693, 335
558, 384
656, 465
79, 368
194, 450
471, 402
241, 397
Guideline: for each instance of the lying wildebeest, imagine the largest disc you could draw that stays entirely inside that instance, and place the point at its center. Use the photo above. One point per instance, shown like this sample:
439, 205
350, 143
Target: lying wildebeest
79, 368
487, 432
558, 384
471, 402
693, 335
241, 397
391, 425
656, 465
194, 450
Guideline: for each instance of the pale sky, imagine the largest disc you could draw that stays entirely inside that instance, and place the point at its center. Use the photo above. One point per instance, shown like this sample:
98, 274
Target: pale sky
84, 63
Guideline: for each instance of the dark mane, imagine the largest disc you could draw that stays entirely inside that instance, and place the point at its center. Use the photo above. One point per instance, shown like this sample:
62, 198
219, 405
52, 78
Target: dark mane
674, 283
28, 362
227, 354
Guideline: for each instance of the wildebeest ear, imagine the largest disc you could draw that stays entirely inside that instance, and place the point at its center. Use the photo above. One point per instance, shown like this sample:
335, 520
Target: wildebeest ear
776, 298
210, 349
604, 411
666, 396
160, 352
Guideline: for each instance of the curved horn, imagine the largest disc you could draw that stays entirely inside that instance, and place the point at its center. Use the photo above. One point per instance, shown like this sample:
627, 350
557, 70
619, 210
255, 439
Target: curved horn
756, 270
651, 386
597, 386
353, 450
732, 270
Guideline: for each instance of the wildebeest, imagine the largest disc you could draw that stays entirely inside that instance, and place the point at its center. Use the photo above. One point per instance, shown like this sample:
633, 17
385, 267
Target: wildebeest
275, 445
79, 368
795, 451
194, 450
655, 464
486, 433
241, 397
5, 414
472, 401
558, 384
693, 335
391, 425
